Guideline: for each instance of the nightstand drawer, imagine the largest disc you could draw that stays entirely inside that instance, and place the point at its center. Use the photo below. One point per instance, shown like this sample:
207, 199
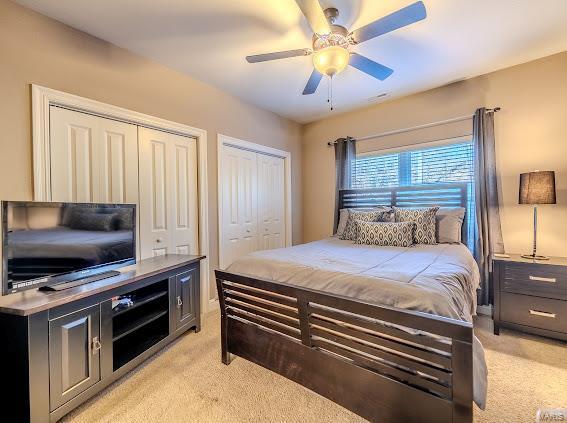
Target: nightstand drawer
543, 313
535, 279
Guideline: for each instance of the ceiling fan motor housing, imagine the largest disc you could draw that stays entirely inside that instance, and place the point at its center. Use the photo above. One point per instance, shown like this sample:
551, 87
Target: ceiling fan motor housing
337, 37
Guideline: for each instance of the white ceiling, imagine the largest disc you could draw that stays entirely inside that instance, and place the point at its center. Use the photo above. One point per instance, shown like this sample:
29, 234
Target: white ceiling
209, 40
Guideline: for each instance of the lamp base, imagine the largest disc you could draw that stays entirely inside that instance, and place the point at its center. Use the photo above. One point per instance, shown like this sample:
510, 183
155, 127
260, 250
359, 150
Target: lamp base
534, 257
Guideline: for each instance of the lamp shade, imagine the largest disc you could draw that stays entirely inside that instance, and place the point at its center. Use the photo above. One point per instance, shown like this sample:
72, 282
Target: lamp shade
537, 187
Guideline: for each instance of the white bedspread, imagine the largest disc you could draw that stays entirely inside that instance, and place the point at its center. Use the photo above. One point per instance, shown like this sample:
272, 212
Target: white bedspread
438, 279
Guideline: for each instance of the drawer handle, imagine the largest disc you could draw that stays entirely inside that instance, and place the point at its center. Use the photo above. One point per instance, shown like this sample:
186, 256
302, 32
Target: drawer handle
543, 314
540, 279
185, 279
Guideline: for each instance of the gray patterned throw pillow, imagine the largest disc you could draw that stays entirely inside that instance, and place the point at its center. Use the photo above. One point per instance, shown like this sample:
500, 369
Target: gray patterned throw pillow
366, 216
424, 220
389, 234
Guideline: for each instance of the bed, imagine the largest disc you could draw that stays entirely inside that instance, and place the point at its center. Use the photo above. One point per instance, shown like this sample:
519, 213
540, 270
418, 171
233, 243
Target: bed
384, 331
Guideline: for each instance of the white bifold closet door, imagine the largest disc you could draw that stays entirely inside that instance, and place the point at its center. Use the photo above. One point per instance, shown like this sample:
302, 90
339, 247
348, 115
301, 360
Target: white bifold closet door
168, 193
99, 160
271, 202
93, 159
253, 203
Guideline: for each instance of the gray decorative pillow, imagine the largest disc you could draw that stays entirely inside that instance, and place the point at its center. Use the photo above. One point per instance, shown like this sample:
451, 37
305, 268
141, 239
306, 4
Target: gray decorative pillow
124, 218
424, 220
390, 234
449, 222
92, 222
366, 216
70, 210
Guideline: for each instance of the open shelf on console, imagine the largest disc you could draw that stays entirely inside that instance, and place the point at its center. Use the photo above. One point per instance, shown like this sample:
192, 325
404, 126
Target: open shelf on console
141, 301
134, 325
141, 325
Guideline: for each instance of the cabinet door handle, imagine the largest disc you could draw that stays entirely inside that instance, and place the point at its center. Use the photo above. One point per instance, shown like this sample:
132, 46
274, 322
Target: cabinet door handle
542, 314
179, 302
540, 279
96, 345
185, 279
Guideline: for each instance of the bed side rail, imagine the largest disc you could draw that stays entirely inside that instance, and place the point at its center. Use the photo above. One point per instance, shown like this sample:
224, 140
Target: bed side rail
428, 353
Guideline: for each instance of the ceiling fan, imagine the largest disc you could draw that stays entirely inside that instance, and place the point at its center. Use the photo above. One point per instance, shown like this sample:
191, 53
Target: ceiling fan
331, 43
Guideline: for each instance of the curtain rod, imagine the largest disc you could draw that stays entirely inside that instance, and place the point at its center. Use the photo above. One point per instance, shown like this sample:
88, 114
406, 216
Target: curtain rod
414, 128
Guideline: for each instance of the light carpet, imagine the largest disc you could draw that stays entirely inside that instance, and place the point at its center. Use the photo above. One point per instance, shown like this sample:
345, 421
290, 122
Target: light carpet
186, 382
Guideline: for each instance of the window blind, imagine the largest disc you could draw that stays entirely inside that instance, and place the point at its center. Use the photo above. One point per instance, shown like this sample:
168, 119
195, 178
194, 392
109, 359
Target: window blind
422, 165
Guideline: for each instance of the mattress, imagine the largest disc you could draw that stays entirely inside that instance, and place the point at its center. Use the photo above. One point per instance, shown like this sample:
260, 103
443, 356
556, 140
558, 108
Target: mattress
438, 279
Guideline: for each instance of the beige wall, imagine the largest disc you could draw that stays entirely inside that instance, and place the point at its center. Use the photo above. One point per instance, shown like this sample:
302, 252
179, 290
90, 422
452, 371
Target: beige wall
531, 133
35, 49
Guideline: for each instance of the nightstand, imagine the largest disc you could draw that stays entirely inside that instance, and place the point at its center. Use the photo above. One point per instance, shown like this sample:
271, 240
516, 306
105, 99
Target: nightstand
530, 296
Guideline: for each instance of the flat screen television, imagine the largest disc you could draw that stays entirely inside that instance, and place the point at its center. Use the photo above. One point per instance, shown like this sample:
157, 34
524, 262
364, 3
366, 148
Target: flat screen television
44, 244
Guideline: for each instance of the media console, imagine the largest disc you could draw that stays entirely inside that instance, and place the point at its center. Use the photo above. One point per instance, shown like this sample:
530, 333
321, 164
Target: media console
60, 348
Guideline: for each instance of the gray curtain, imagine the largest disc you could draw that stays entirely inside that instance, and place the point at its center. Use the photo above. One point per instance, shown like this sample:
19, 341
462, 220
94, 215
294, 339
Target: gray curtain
488, 236
345, 153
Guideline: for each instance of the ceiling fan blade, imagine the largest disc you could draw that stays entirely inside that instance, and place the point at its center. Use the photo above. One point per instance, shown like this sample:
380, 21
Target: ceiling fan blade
313, 82
413, 13
278, 55
315, 16
370, 67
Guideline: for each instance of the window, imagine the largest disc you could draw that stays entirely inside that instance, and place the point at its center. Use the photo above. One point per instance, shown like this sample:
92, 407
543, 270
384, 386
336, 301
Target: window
429, 165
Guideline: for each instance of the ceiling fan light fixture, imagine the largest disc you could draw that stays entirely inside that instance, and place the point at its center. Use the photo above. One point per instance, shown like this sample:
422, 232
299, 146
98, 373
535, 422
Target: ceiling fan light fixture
331, 60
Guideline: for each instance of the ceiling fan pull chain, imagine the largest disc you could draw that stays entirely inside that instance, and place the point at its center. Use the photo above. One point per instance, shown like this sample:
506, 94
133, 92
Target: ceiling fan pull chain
329, 92
331, 89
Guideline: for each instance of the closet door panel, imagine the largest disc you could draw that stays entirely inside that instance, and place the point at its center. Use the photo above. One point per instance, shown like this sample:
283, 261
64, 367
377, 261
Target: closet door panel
271, 201
93, 159
119, 170
153, 210
248, 192
183, 188
168, 194
73, 156
239, 209
278, 216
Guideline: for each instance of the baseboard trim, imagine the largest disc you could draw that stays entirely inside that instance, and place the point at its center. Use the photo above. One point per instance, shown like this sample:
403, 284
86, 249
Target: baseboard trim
484, 310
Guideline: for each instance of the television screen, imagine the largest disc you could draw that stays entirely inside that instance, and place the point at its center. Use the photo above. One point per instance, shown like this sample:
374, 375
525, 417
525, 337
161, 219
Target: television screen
47, 243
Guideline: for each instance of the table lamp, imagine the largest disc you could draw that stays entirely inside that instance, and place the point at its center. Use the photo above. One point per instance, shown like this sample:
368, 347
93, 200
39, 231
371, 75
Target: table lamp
537, 187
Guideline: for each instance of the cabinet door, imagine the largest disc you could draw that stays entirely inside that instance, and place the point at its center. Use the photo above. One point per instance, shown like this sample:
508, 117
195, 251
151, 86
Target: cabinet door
93, 159
168, 194
74, 356
185, 296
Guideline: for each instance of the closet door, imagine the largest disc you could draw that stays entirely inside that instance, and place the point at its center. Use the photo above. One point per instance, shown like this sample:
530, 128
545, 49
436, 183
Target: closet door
239, 208
271, 202
168, 193
93, 159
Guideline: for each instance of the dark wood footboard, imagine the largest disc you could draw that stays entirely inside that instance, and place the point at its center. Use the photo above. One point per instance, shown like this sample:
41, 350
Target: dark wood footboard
370, 359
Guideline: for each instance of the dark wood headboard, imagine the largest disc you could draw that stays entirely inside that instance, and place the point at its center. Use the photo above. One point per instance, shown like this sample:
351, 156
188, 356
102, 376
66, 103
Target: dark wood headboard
443, 195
